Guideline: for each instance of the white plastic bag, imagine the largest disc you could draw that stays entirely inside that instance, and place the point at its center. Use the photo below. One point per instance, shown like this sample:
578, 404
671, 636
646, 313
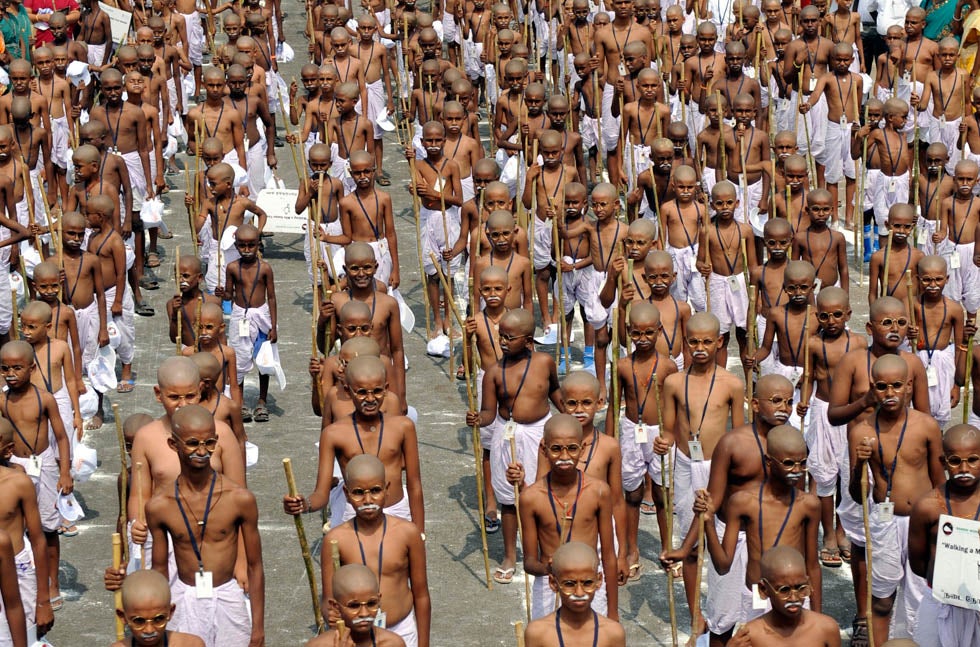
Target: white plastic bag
84, 462
267, 361
151, 213
102, 370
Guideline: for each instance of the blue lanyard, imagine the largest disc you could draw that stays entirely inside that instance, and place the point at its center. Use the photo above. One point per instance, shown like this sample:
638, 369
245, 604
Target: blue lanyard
890, 473
203, 523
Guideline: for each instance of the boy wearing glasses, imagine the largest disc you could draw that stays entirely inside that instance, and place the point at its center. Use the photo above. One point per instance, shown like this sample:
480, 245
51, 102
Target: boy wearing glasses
697, 407
820, 245
938, 337
366, 216
389, 549
575, 578
785, 586
941, 624
565, 505
738, 465
828, 443
147, 609
641, 421
959, 216
773, 512
515, 399
250, 286
889, 278
501, 230
356, 601
369, 430
360, 268
902, 447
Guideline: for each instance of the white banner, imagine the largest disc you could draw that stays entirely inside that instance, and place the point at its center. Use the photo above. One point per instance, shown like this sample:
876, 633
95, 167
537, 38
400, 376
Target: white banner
280, 205
956, 578
119, 21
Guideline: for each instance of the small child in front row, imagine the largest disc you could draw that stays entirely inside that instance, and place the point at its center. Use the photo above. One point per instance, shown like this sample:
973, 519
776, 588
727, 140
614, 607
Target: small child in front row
47, 287
895, 258
820, 245
210, 332
189, 275
515, 398
250, 285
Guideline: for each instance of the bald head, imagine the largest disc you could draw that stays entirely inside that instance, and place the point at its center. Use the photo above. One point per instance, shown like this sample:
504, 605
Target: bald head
360, 346
177, 371
886, 306
786, 439
519, 320
581, 380
352, 579
574, 555
365, 467
963, 437
365, 368
770, 384
192, 419
207, 364
781, 559
890, 365
703, 323
562, 425
145, 588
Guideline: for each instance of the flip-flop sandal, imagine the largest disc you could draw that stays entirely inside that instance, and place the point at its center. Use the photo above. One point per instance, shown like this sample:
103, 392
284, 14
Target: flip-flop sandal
126, 386
70, 530
859, 633
845, 554
144, 310
503, 575
261, 414
152, 260
57, 602
246, 414
636, 571
492, 524
677, 572
648, 507
830, 557
384, 181
461, 373
149, 284
166, 235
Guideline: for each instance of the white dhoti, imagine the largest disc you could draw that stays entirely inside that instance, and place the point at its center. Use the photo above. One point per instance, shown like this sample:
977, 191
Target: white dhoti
588, 128
926, 228
407, 629
836, 147
689, 284
377, 103
595, 278
709, 177
528, 439
125, 323
255, 159
45, 488
59, 141
964, 282
890, 542
751, 195
544, 255
88, 330
694, 474
890, 190
195, 38
812, 127
723, 605
940, 368
137, 179
434, 240
639, 459
96, 53
828, 447
27, 583
468, 192
6, 302
773, 364
218, 263
578, 288
729, 302
610, 124
223, 620
471, 59
339, 170
943, 625
259, 320
63, 400
945, 131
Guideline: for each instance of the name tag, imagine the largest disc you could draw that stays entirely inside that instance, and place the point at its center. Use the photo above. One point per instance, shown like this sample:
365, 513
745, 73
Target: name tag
817, 284
813, 84
381, 620
640, 435
942, 121
892, 185
203, 587
693, 263
795, 376
244, 330
622, 69
510, 428
733, 284
33, 467
886, 511
246, 143
932, 376
954, 261
922, 237
697, 451
843, 122
437, 185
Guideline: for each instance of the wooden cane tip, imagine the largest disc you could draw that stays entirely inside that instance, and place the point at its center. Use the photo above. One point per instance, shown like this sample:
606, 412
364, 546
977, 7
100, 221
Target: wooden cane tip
286, 461
115, 407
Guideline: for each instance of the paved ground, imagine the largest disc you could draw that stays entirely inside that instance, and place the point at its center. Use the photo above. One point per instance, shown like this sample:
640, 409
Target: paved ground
464, 612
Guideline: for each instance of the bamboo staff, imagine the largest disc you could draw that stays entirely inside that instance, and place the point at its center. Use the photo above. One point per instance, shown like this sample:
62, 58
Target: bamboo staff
418, 243
629, 305
304, 547
15, 319
519, 632
509, 435
562, 534
968, 378
696, 611
447, 286
750, 350
471, 391
613, 362
180, 308
292, 147
721, 137
335, 554
859, 231
117, 597
124, 469
869, 614
888, 257
805, 389
48, 219
534, 209
744, 181
667, 490
909, 297
683, 98
963, 113
560, 283
140, 512
444, 279
29, 198
199, 147
705, 244
597, 101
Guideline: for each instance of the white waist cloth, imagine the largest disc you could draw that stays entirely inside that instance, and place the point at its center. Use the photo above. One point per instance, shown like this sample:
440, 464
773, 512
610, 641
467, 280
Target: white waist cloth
639, 459
223, 620
943, 625
45, 488
694, 476
137, 179
527, 438
259, 319
408, 629
943, 364
434, 239
723, 606
964, 282
27, 583
828, 448
889, 541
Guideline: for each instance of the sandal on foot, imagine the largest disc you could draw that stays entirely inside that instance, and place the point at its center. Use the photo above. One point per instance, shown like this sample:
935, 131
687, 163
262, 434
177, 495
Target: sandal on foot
144, 310
246, 414
384, 181
167, 235
461, 373
859, 633
68, 529
261, 413
830, 557
57, 602
845, 554
648, 507
636, 570
492, 524
152, 260
149, 284
503, 575
126, 386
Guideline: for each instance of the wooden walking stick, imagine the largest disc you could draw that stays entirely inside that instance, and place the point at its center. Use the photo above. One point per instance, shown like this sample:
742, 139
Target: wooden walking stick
696, 611
805, 388
968, 377
859, 231
471, 391
180, 308
614, 377
117, 597
418, 243
304, 547
140, 512
509, 435
750, 350
721, 137
124, 468
335, 554
910, 299
888, 257
667, 490
519, 632
869, 614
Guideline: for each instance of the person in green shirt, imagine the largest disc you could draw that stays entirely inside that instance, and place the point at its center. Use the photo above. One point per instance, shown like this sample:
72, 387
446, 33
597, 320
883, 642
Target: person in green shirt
16, 28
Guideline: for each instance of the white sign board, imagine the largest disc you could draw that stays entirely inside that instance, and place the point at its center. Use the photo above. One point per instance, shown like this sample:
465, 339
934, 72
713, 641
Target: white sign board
280, 205
956, 578
119, 21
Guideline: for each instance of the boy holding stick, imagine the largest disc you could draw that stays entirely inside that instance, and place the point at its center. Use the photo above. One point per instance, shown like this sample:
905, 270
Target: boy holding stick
356, 584
960, 216
889, 265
